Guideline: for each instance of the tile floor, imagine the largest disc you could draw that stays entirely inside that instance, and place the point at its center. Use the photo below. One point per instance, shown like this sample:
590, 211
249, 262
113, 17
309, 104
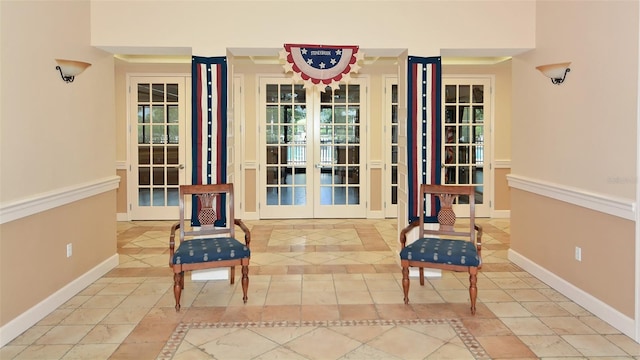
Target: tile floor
319, 289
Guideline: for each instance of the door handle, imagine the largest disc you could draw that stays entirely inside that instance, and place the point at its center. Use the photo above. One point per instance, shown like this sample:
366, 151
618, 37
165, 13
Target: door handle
179, 167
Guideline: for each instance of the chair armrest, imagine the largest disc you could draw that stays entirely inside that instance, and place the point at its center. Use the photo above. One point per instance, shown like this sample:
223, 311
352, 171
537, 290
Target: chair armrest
479, 235
403, 233
172, 241
245, 230
479, 241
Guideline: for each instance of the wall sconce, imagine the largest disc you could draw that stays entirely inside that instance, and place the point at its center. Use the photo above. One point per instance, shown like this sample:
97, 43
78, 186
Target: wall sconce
555, 72
69, 69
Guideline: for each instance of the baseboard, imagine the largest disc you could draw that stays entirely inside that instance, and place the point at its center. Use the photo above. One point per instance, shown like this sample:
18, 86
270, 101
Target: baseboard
122, 217
602, 310
27, 319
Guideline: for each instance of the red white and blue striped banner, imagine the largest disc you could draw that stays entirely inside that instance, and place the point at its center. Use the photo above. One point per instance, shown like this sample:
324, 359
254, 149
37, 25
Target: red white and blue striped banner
423, 131
209, 125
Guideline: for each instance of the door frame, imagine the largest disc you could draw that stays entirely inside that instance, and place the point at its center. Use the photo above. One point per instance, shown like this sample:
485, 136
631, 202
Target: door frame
237, 144
390, 210
489, 169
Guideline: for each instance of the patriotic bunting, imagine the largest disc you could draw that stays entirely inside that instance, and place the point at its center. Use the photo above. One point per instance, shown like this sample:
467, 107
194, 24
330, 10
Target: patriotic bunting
321, 65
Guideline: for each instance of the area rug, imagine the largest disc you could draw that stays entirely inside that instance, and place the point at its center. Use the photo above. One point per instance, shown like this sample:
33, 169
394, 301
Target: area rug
323, 340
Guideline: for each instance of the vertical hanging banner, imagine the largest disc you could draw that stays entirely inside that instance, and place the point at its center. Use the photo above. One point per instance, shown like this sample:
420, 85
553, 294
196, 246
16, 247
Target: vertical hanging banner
424, 131
321, 65
209, 127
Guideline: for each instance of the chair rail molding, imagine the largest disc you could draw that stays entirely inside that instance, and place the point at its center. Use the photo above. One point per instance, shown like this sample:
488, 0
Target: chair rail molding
616, 206
45, 201
502, 163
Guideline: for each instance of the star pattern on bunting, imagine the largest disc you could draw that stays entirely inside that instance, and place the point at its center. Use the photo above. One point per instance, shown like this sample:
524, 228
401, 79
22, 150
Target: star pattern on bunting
321, 65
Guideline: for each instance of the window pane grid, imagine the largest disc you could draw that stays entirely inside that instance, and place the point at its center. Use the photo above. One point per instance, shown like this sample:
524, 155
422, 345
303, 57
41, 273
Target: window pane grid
464, 137
158, 138
339, 149
394, 145
286, 139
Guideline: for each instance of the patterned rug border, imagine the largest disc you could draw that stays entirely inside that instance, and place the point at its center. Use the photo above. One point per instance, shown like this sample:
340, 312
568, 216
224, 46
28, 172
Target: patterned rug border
182, 328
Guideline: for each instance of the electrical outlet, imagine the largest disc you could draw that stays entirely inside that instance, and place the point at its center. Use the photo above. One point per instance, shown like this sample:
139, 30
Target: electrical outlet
578, 254
69, 250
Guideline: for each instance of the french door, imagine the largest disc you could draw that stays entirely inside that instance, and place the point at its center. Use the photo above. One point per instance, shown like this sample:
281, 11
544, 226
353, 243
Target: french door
158, 112
466, 139
312, 161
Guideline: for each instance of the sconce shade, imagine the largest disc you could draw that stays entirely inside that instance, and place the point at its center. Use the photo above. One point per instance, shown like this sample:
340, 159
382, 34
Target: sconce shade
555, 72
69, 69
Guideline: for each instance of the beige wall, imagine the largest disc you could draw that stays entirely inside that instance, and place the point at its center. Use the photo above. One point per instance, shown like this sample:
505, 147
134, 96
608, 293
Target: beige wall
33, 261
50, 129
502, 196
56, 141
121, 193
579, 138
546, 231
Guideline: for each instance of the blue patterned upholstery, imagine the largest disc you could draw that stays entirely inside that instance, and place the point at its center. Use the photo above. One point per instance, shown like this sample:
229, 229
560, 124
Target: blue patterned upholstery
210, 249
443, 251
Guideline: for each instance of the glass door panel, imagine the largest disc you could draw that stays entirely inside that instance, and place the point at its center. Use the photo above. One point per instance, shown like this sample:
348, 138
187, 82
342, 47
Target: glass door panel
338, 159
465, 102
157, 154
286, 186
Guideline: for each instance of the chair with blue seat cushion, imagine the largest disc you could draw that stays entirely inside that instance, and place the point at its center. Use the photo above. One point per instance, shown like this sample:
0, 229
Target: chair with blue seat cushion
208, 242
448, 247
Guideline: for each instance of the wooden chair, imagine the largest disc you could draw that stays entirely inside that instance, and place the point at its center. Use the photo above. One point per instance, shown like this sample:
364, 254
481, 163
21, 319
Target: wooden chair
448, 247
213, 243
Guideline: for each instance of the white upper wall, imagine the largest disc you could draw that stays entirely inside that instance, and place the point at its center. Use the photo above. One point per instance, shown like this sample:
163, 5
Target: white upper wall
209, 28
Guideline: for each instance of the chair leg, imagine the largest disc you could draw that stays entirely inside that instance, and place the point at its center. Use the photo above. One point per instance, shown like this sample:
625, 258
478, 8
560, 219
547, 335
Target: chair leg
178, 284
421, 276
405, 283
232, 274
245, 282
473, 289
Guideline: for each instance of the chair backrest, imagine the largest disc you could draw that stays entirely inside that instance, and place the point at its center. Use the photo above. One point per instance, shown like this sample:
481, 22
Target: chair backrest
444, 195
213, 205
